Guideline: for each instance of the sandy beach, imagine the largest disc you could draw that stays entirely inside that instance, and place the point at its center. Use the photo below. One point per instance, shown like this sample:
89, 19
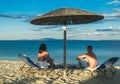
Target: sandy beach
10, 73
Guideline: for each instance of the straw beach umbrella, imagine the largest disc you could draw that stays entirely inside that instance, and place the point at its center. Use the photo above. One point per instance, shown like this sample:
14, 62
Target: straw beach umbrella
65, 16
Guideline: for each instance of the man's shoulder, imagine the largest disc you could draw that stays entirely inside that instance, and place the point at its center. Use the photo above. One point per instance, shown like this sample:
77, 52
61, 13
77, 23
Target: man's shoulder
89, 54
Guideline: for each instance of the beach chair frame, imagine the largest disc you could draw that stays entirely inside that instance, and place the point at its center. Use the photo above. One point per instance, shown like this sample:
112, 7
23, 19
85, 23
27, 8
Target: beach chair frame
31, 66
107, 66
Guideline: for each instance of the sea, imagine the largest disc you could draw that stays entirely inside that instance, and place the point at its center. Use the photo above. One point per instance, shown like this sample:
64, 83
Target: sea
104, 49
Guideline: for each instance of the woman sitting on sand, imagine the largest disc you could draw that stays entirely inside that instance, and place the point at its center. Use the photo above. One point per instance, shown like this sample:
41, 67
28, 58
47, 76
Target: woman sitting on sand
44, 58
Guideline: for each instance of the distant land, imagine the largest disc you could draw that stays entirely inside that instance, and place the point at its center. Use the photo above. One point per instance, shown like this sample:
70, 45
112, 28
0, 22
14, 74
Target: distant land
43, 39
55, 39
50, 39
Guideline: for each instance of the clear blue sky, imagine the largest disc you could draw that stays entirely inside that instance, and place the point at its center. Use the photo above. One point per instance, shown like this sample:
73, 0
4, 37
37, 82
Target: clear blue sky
15, 16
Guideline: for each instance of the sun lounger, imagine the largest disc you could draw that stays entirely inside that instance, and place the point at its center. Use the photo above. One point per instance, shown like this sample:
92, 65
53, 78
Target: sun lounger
108, 63
27, 61
104, 67
32, 65
107, 66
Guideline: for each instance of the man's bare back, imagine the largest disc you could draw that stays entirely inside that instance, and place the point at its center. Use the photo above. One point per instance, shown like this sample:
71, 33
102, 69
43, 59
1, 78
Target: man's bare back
90, 56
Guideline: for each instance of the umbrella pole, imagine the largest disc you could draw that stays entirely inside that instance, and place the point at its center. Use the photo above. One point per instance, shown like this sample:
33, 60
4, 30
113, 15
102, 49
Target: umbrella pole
64, 28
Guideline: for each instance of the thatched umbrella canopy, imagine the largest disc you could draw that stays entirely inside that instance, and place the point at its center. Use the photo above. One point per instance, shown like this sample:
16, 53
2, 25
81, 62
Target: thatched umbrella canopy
66, 16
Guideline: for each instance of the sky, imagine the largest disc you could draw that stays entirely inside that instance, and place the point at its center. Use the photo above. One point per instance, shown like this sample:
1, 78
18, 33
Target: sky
15, 17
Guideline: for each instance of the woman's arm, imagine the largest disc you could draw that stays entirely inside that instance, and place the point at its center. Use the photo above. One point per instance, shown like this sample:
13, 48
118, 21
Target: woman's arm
43, 54
50, 61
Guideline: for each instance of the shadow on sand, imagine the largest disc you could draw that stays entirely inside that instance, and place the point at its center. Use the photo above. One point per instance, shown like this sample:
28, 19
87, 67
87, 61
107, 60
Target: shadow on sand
84, 77
107, 78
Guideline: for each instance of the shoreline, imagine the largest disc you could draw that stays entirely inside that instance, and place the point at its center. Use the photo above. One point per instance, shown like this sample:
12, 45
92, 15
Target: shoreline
10, 74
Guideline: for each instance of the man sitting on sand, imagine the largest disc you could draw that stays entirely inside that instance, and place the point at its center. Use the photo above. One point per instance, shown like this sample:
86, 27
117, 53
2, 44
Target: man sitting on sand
87, 60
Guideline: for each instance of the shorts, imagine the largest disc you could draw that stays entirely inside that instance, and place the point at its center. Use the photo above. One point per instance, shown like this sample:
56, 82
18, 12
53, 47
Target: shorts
42, 64
83, 63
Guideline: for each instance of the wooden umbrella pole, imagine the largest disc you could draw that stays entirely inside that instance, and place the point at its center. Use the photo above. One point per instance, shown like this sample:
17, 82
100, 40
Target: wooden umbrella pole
64, 28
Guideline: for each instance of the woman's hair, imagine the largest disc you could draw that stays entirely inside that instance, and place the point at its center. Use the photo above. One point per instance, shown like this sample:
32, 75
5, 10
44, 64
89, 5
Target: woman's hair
42, 48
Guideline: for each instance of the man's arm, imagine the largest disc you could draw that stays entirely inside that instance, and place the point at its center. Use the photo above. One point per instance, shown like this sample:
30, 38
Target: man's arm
81, 56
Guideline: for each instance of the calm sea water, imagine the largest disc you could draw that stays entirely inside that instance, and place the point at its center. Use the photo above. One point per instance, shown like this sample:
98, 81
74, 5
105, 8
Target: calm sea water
103, 49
